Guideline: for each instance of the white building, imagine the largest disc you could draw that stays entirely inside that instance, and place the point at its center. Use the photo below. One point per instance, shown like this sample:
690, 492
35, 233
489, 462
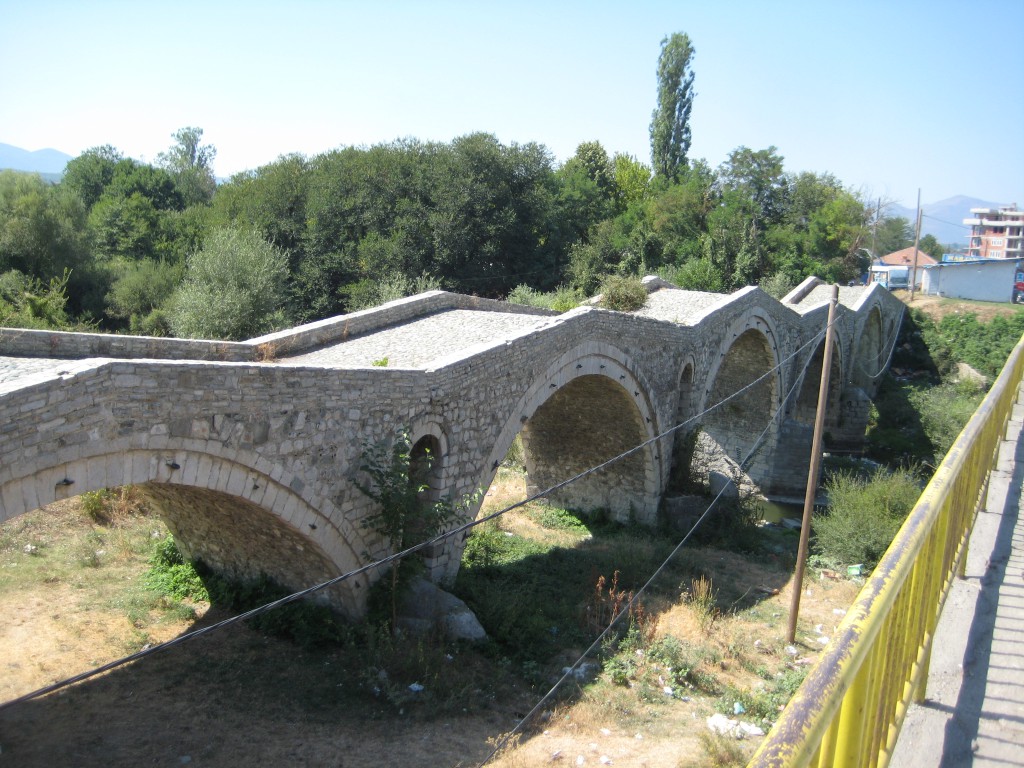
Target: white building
983, 280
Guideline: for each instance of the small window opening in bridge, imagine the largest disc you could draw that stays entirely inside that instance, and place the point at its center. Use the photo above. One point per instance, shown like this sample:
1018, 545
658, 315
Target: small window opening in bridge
425, 470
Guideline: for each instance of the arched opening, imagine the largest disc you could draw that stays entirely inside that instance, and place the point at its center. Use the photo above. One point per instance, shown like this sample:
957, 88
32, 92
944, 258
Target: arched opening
240, 540
805, 406
235, 518
868, 362
582, 425
741, 410
425, 468
682, 439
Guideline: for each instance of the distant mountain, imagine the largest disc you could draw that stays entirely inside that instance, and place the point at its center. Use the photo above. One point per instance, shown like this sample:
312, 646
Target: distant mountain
944, 219
40, 161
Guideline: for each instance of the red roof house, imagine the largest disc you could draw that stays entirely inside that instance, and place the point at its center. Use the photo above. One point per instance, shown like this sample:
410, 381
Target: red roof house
905, 258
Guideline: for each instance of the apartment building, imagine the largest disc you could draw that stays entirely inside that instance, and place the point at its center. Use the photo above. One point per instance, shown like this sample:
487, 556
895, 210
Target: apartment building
996, 233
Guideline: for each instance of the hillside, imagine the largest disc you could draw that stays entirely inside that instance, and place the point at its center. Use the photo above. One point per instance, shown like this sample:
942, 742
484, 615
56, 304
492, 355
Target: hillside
44, 161
944, 219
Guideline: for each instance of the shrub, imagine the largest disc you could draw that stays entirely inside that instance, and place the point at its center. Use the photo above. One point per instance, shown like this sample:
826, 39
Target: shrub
623, 294
561, 299
863, 516
170, 574
235, 287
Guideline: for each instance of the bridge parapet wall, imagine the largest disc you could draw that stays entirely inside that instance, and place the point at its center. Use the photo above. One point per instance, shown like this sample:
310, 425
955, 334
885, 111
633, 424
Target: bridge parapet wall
337, 329
21, 342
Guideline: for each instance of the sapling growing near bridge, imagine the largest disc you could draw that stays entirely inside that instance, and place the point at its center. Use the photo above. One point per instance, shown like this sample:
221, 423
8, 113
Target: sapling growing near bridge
406, 513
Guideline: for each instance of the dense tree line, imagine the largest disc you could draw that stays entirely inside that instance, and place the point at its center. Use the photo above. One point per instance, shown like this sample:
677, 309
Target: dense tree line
161, 249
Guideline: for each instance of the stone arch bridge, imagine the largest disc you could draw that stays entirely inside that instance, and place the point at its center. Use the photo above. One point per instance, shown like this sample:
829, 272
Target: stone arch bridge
251, 449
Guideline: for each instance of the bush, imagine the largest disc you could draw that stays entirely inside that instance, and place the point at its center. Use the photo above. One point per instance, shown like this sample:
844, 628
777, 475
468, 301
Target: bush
235, 288
863, 516
623, 294
561, 299
170, 574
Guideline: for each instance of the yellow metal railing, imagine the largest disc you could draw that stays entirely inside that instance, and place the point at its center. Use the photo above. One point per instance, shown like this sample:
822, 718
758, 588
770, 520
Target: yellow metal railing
850, 708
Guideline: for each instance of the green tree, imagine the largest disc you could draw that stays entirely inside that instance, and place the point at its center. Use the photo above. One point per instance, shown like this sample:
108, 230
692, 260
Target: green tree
235, 288
892, 234
670, 121
930, 245
757, 177
43, 235
89, 174
272, 199
593, 160
141, 288
632, 181
191, 164
30, 303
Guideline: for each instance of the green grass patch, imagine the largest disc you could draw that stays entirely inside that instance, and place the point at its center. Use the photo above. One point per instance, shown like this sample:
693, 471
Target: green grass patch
533, 597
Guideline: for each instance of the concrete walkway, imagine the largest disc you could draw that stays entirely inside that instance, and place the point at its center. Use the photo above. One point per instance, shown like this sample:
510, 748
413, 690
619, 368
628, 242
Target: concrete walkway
974, 711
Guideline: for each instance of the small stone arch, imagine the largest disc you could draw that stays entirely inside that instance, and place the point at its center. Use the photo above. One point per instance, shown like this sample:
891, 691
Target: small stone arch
682, 453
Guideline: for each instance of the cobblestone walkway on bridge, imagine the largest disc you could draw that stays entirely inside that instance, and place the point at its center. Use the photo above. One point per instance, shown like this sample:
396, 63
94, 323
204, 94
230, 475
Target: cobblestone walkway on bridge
678, 306
822, 294
14, 368
419, 342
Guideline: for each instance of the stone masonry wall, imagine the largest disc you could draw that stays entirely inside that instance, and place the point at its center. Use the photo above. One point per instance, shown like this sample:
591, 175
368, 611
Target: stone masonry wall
269, 450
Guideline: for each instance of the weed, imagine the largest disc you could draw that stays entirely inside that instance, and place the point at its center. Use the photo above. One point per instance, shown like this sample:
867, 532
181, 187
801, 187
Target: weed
94, 504
720, 751
109, 505
766, 700
864, 515
623, 294
381, 363
701, 598
405, 514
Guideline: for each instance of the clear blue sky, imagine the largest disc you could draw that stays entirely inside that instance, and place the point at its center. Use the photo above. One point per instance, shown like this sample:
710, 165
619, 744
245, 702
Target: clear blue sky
887, 95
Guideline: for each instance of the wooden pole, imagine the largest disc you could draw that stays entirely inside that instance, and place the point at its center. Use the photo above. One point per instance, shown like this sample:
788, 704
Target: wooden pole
812, 473
917, 241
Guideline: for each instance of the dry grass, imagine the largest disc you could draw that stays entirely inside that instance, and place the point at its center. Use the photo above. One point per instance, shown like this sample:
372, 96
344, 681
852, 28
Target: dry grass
729, 622
937, 308
66, 614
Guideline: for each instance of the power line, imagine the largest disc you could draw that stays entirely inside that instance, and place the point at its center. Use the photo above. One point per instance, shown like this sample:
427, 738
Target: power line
635, 598
295, 596
943, 221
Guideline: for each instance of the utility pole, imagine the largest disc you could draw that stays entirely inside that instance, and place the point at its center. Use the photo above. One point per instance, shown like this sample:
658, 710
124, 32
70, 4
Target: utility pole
917, 241
812, 473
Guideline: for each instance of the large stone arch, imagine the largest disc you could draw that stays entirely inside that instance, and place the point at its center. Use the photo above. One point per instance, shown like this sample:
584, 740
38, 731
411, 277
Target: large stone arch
869, 360
241, 518
735, 422
589, 406
805, 405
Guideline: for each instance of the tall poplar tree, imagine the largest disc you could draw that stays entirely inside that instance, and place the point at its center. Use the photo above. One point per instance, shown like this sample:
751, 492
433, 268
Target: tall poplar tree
670, 122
